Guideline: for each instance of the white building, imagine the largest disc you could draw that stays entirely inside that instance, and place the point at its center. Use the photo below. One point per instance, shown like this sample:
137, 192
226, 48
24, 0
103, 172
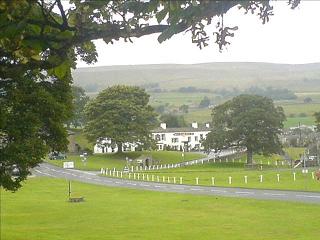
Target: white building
105, 146
181, 139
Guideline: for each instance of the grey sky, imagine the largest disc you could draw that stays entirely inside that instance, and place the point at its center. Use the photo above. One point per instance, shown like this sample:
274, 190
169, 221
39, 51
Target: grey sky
291, 36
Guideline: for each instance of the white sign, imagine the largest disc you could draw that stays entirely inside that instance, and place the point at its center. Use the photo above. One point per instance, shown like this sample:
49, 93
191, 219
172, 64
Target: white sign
68, 164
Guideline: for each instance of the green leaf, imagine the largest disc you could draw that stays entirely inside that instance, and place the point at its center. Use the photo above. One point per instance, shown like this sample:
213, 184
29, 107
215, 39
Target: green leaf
62, 69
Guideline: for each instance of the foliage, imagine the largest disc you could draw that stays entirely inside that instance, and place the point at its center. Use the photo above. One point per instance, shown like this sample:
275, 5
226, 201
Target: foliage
79, 101
173, 120
307, 100
40, 42
205, 102
121, 114
317, 116
184, 108
246, 121
192, 90
270, 92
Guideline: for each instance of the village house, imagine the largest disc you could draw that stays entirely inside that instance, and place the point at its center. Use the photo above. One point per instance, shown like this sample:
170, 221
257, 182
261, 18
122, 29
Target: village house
180, 139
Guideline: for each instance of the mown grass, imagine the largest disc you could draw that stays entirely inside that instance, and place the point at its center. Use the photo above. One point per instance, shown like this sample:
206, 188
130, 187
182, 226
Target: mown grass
221, 174
268, 167
118, 160
40, 211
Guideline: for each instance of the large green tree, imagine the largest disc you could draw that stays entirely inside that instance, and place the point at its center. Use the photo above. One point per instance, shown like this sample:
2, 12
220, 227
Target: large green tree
173, 120
247, 121
79, 101
317, 116
121, 114
41, 40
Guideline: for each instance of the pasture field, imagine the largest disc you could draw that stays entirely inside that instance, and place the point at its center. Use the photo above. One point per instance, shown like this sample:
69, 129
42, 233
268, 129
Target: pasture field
294, 122
298, 108
271, 173
116, 160
222, 171
176, 99
40, 211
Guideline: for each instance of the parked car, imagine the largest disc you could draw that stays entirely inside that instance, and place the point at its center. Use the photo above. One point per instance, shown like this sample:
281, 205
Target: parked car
57, 156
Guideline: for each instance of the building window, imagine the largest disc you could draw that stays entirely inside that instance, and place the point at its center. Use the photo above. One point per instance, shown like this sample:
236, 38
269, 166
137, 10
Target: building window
163, 137
201, 136
174, 140
196, 138
157, 137
189, 139
160, 147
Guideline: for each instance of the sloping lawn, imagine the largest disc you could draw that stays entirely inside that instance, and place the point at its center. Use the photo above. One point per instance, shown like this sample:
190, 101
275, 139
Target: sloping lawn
40, 211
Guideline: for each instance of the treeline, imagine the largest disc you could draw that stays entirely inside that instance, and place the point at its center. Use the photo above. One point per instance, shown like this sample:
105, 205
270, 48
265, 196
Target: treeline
270, 92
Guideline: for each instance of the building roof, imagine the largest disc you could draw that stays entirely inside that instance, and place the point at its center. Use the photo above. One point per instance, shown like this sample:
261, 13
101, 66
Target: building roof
185, 129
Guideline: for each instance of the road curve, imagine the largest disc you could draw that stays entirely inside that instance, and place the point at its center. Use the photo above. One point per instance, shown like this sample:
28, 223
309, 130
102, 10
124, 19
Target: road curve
49, 170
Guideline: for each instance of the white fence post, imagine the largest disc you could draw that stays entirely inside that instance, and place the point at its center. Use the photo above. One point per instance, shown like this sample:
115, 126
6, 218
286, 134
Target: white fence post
294, 176
261, 178
312, 174
278, 177
212, 181
138, 176
147, 177
230, 180
168, 179
180, 180
245, 179
197, 181
158, 179
129, 175
163, 179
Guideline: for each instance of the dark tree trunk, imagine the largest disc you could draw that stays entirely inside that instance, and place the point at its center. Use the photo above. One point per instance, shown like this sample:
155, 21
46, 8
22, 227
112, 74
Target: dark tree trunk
119, 147
249, 157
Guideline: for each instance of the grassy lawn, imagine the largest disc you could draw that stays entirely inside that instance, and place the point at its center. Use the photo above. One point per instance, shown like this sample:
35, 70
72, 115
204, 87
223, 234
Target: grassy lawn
40, 211
221, 171
297, 108
118, 161
294, 121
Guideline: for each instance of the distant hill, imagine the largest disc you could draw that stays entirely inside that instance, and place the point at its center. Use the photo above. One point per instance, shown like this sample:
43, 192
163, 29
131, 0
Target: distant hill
296, 77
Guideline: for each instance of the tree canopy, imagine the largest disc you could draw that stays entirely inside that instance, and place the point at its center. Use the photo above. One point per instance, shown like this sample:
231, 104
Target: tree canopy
317, 116
173, 120
40, 41
246, 121
79, 101
121, 114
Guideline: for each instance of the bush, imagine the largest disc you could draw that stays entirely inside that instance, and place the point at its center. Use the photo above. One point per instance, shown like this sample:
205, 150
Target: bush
302, 114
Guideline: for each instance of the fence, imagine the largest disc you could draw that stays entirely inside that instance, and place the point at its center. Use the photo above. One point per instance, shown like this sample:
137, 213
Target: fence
198, 181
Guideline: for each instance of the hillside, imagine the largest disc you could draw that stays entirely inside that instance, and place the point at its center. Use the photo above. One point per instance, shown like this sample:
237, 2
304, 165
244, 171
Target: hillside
296, 77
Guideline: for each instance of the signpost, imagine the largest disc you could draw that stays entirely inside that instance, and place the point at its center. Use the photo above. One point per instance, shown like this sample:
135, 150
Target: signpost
68, 165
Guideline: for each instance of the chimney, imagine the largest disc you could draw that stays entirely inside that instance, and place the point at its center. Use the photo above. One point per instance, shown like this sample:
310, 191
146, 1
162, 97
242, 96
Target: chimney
194, 125
163, 125
207, 125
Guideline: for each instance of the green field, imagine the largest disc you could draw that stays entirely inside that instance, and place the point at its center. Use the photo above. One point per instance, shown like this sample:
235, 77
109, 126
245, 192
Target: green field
176, 99
118, 161
40, 211
268, 167
294, 122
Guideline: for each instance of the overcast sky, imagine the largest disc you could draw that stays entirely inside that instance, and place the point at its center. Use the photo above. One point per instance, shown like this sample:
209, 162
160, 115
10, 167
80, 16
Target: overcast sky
291, 36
